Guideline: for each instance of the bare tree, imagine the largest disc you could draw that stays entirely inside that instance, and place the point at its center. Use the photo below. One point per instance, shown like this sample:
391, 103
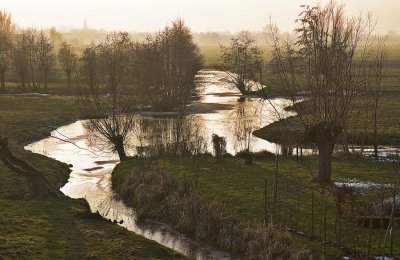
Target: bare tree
20, 57
6, 35
106, 90
67, 59
242, 60
180, 61
31, 38
329, 62
46, 57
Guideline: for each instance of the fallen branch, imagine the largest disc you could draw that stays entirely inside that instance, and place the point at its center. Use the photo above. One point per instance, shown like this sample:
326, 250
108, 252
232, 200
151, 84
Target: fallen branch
37, 182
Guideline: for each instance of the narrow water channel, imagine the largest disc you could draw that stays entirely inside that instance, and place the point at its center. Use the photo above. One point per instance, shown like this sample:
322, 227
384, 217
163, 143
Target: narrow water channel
217, 111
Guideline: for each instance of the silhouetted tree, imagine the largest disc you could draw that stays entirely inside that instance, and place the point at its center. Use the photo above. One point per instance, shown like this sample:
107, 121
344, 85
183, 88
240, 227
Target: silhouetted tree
242, 60
329, 62
147, 69
67, 59
6, 35
180, 60
31, 38
106, 89
45, 58
20, 57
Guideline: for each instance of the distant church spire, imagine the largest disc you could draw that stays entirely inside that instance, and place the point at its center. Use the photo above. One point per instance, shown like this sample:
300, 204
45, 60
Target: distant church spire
85, 26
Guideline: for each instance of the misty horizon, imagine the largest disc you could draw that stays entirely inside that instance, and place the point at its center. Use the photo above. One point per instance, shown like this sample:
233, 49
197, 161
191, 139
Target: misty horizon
202, 16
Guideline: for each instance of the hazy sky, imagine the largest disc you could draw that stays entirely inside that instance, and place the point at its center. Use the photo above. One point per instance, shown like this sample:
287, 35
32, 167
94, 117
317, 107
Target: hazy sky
202, 15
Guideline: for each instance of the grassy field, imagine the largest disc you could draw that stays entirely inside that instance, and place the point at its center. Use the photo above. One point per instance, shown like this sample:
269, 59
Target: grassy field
241, 188
54, 228
362, 119
37, 228
212, 53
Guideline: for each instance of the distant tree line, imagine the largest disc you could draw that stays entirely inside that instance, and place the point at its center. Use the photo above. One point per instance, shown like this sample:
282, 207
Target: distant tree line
161, 68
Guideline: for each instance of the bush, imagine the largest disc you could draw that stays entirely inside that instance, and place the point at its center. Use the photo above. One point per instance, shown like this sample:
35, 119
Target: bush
219, 145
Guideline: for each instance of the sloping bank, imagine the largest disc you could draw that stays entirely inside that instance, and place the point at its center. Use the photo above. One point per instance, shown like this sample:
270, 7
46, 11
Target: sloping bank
159, 195
50, 228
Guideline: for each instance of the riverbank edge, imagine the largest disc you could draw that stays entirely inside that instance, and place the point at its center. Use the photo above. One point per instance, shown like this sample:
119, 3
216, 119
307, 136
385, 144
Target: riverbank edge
289, 132
79, 208
125, 190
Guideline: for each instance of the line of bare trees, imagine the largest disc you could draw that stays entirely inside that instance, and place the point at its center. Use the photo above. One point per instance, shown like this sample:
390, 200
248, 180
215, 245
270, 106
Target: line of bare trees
33, 57
32, 54
7, 29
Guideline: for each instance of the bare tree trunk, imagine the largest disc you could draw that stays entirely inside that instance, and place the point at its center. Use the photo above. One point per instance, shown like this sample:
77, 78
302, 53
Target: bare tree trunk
69, 82
23, 82
3, 80
345, 136
45, 83
38, 184
325, 150
119, 146
375, 134
324, 136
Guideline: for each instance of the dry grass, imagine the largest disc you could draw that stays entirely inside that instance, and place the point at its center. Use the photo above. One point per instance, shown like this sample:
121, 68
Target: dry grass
157, 194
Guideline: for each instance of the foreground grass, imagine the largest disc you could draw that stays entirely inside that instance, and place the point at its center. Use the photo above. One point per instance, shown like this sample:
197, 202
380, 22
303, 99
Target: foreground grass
54, 228
241, 189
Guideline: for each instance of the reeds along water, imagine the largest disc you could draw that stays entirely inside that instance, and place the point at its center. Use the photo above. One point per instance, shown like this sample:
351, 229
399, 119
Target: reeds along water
155, 193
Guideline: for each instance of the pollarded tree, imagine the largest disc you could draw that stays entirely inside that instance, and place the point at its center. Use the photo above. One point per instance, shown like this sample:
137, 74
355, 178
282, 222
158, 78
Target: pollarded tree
242, 60
330, 62
6, 34
67, 59
106, 89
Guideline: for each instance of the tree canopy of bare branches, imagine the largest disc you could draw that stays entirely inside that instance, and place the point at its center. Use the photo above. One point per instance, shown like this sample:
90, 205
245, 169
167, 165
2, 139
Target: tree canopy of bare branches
106, 89
68, 60
20, 57
164, 66
33, 57
180, 61
242, 60
330, 62
45, 58
6, 34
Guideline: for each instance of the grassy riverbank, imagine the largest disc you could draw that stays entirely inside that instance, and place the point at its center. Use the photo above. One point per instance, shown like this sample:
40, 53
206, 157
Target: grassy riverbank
240, 189
360, 129
160, 194
54, 228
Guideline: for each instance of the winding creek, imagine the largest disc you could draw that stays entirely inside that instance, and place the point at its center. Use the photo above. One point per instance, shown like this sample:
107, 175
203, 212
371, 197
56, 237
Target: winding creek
217, 111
